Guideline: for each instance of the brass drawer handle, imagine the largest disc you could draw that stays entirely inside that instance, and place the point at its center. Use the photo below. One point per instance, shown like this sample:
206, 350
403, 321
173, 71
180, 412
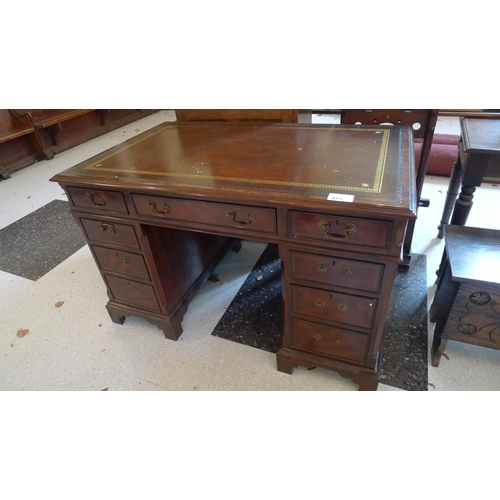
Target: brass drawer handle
104, 227
167, 207
126, 262
91, 198
317, 336
342, 307
320, 303
346, 271
242, 225
325, 226
322, 269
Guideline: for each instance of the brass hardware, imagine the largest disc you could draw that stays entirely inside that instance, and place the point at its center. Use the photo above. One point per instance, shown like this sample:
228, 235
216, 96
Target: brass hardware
317, 336
342, 307
104, 226
346, 271
167, 207
101, 198
126, 261
320, 303
321, 269
348, 229
249, 218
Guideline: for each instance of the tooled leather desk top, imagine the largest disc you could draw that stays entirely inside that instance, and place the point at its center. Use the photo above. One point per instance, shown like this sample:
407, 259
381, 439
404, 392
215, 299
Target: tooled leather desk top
366, 165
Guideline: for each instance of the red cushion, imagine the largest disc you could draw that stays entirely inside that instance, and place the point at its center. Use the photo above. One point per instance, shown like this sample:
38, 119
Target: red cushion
442, 139
450, 139
444, 150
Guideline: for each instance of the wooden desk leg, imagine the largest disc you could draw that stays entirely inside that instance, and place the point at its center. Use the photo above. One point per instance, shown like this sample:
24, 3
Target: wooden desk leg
451, 195
367, 379
438, 345
463, 206
410, 229
366, 384
440, 310
439, 314
171, 327
236, 246
439, 272
285, 364
4, 175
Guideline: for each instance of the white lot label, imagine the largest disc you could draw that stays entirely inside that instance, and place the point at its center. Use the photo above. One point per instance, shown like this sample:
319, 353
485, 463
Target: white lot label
349, 198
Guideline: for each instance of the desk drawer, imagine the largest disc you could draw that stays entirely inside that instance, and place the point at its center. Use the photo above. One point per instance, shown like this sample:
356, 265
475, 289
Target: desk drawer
341, 229
107, 201
132, 292
227, 215
121, 235
331, 306
346, 273
328, 340
118, 261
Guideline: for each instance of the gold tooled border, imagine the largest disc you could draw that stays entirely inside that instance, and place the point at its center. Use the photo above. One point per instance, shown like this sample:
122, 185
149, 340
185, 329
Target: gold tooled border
377, 183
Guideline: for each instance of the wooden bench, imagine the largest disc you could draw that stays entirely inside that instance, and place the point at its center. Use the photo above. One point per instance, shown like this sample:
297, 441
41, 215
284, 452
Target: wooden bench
10, 128
17, 149
43, 118
50, 121
30, 135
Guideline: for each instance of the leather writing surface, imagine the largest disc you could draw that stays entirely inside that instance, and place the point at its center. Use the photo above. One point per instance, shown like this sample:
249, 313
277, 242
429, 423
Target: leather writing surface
367, 162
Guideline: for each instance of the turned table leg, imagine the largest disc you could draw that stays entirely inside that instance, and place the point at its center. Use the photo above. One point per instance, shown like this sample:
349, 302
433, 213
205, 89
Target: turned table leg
451, 195
463, 206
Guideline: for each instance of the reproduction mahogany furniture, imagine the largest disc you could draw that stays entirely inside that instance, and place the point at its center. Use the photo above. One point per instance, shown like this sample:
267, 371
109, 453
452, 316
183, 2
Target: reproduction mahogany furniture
479, 150
160, 210
423, 124
466, 307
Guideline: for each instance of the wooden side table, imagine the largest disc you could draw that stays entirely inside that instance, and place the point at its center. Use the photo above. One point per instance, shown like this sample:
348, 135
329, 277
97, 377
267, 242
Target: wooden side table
466, 307
478, 149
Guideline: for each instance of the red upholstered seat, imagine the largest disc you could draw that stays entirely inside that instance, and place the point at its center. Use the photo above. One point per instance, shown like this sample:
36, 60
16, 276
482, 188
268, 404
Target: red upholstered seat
444, 151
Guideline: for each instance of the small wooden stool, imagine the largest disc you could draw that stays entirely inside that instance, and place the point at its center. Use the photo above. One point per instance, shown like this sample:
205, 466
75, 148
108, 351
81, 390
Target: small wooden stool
466, 307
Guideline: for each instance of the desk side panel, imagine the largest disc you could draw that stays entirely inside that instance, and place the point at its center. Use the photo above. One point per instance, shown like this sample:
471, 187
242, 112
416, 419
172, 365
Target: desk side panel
181, 261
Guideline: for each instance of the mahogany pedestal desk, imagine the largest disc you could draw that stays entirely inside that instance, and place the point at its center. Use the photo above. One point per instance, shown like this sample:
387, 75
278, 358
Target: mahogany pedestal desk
160, 211
466, 307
